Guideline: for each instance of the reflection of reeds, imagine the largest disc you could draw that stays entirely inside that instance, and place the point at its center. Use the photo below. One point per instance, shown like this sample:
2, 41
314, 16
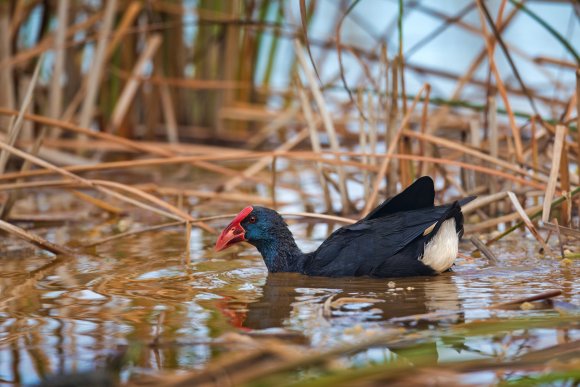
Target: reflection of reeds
202, 95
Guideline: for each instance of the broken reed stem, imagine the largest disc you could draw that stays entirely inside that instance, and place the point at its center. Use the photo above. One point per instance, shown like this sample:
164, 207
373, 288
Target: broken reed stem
486, 251
530, 226
536, 214
556, 160
34, 239
536, 297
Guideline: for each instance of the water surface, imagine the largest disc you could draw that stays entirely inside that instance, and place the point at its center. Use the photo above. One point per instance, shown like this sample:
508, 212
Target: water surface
69, 314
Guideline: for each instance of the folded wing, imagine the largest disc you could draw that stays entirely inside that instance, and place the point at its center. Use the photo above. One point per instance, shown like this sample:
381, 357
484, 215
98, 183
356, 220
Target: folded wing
387, 244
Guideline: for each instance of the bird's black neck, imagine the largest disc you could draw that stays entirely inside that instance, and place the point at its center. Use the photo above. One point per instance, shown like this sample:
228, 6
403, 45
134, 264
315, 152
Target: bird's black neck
281, 254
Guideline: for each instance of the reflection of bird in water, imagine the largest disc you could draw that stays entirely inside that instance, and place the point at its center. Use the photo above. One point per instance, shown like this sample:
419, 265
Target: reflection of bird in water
284, 293
400, 298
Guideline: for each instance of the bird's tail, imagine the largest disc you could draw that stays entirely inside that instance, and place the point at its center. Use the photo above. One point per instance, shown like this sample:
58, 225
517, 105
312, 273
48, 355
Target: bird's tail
453, 212
466, 200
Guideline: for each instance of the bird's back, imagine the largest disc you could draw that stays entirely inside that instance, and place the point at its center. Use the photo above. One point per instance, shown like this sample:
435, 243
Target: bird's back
390, 240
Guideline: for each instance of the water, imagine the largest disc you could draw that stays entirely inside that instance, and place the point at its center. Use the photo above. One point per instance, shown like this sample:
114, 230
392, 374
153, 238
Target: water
70, 314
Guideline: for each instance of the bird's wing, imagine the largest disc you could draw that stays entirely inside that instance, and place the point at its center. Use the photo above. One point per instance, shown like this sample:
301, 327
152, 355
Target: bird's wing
420, 194
361, 248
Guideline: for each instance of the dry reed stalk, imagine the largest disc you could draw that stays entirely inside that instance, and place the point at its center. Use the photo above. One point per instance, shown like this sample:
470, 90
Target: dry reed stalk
66, 184
491, 223
130, 89
363, 145
469, 177
222, 196
97, 65
182, 215
480, 155
391, 133
526, 219
127, 143
132, 233
168, 113
56, 89
7, 97
98, 203
558, 62
186, 83
486, 251
24, 56
500, 85
34, 239
424, 123
292, 155
37, 184
560, 240
326, 119
129, 15
331, 218
537, 297
493, 142
373, 129
13, 133
390, 151
482, 201
183, 149
16, 125
263, 162
174, 213
534, 150
556, 160
278, 122
312, 125
468, 75
123, 28
565, 183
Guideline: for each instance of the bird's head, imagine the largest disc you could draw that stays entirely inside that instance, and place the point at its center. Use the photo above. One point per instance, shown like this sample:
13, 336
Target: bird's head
256, 225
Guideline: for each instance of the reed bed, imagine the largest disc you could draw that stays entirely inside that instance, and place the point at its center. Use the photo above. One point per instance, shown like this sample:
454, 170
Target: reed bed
169, 108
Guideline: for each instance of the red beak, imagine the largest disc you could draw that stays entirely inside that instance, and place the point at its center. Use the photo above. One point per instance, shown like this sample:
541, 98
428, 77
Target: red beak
234, 232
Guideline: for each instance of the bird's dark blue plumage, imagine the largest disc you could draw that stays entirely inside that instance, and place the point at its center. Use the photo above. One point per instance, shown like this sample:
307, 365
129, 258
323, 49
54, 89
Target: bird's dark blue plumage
391, 241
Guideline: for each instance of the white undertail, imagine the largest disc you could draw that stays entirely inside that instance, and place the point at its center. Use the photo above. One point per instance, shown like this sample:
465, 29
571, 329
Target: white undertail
441, 251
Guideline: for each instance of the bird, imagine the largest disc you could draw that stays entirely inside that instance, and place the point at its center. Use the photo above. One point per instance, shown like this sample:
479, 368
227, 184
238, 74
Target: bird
406, 235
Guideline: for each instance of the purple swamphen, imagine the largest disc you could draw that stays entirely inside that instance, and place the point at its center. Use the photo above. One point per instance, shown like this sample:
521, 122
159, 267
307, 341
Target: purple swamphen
404, 236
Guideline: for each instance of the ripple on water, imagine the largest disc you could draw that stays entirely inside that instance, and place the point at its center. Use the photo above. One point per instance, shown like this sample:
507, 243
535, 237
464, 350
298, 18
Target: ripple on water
142, 289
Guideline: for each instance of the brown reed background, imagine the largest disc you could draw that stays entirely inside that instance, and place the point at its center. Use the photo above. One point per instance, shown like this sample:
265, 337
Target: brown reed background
122, 86
174, 109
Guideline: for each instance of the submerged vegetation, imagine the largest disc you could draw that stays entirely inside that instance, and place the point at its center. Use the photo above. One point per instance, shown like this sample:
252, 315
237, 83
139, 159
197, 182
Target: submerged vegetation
131, 130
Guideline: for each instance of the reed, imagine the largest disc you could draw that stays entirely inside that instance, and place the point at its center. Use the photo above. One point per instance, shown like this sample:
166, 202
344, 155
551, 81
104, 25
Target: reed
179, 113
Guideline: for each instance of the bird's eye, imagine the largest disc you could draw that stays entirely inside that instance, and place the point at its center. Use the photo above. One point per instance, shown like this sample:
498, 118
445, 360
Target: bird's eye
252, 219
